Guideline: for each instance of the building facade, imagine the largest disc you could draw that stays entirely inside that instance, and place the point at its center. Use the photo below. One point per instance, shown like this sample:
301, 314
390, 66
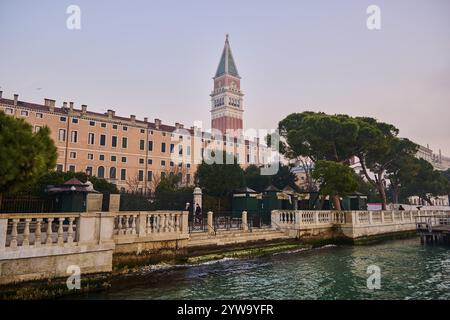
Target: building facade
134, 154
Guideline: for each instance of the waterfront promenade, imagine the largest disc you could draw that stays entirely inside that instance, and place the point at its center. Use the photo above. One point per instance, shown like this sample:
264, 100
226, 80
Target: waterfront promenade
44, 246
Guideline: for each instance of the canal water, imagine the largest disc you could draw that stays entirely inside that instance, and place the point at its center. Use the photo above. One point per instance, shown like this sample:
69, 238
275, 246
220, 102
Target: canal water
408, 271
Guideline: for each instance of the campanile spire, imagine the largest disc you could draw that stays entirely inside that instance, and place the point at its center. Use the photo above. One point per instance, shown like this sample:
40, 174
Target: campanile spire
227, 97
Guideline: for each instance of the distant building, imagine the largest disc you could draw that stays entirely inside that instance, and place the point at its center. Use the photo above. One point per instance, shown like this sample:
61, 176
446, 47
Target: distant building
438, 161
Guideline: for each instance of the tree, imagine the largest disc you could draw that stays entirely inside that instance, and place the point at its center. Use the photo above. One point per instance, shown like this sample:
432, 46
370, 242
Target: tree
254, 179
446, 174
318, 136
401, 173
307, 165
380, 151
168, 183
24, 155
219, 180
284, 177
366, 188
335, 179
427, 182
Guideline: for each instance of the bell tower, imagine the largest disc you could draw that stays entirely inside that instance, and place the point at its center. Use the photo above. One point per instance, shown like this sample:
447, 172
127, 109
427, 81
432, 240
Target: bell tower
227, 97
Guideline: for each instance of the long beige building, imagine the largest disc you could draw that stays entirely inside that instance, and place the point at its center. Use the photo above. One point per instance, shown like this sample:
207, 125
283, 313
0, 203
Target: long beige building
133, 153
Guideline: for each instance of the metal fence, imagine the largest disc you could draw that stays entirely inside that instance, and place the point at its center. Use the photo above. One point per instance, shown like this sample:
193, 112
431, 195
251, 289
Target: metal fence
198, 225
28, 204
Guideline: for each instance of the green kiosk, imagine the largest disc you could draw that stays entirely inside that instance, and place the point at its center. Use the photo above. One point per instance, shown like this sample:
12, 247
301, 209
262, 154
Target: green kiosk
355, 201
71, 195
270, 201
246, 199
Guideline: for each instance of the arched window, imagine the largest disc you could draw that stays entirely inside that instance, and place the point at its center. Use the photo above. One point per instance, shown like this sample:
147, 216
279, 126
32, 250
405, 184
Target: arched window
101, 172
112, 173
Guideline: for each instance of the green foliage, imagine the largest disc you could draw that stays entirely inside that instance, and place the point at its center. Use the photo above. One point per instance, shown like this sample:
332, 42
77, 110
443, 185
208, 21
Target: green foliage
24, 155
168, 183
57, 177
427, 182
383, 153
334, 178
254, 180
284, 177
318, 136
219, 179
402, 172
366, 188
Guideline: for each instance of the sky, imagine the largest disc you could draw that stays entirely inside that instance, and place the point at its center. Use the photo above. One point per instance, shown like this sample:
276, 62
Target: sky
156, 59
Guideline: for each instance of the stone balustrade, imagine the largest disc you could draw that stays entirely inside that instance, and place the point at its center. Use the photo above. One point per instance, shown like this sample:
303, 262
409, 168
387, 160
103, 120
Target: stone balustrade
303, 218
353, 224
35, 246
147, 223
391, 216
36, 230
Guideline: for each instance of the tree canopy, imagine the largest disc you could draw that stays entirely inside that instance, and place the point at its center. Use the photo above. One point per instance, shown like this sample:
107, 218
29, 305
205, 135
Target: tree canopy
427, 182
381, 151
24, 155
335, 179
317, 136
219, 179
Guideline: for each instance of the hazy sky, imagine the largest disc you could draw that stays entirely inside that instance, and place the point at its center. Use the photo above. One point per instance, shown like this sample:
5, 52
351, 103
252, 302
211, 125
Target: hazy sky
156, 59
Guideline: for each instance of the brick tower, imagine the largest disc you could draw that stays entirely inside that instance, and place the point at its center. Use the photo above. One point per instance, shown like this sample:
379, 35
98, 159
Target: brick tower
226, 97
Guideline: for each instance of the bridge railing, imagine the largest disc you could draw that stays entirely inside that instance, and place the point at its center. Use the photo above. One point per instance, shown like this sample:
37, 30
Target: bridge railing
427, 221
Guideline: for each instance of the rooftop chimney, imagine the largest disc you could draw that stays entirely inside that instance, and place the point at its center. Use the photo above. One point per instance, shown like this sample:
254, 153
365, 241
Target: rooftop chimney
177, 125
157, 123
50, 104
1, 92
133, 118
71, 106
16, 98
83, 108
111, 113
65, 105
145, 119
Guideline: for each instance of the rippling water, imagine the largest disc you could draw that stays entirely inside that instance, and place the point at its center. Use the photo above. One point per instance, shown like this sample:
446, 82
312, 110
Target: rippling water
408, 271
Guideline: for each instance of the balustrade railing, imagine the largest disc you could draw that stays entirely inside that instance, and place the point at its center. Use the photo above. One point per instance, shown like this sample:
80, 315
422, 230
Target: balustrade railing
39, 230
291, 218
36, 230
149, 223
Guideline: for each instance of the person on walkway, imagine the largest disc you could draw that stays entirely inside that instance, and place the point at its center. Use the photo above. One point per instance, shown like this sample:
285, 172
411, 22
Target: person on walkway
198, 213
401, 208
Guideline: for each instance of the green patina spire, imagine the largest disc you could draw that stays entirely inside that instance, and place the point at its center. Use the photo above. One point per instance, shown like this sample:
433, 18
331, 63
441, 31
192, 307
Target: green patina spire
226, 64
